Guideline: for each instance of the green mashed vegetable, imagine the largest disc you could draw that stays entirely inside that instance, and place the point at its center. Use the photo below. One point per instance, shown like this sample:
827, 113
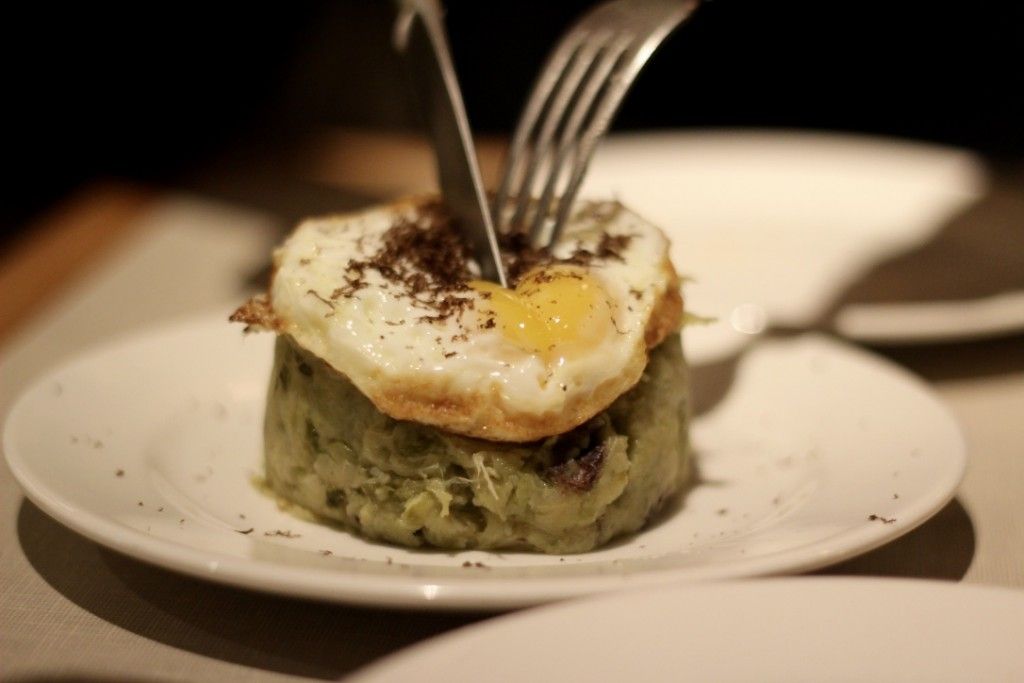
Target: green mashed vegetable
330, 451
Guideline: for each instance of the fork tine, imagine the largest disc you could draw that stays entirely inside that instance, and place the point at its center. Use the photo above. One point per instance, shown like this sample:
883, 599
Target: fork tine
557, 104
547, 81
576, 96
583, 106
584, 149
587, 142
604, 112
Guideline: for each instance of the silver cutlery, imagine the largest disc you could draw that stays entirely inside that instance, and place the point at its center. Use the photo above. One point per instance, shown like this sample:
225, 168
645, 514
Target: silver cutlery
574, 99
420, 36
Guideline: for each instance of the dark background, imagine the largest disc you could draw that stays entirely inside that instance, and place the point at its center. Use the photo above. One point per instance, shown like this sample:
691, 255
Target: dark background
154, 92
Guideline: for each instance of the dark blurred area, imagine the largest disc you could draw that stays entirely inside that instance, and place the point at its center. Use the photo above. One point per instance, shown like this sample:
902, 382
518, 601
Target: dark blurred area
154, 92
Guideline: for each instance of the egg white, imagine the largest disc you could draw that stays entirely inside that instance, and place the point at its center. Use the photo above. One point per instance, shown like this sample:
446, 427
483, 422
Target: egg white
456, 372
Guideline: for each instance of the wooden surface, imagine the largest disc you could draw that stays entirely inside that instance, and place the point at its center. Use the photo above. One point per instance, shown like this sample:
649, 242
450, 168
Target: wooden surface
59, 245
387, 164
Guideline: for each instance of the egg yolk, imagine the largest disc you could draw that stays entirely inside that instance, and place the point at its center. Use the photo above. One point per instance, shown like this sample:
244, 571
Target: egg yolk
554, 312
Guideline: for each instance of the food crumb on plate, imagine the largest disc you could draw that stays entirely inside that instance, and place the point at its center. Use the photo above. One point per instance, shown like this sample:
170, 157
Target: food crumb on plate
283, 533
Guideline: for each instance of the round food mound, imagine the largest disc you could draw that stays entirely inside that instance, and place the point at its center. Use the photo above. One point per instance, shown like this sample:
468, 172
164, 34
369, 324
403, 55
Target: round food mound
330, 451
388, 297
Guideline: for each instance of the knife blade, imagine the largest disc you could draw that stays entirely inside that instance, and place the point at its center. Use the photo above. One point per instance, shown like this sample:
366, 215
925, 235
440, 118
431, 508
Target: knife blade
419, 35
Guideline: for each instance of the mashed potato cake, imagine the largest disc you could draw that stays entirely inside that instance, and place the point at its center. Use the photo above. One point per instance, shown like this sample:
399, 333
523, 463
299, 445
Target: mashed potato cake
329, 450
416, 404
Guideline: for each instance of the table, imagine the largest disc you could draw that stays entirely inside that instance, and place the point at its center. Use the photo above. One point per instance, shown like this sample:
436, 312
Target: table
71, 609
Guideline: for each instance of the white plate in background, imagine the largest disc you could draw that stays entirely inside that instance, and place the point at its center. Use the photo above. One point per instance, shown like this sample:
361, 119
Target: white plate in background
149, 445
773, 226
784, 630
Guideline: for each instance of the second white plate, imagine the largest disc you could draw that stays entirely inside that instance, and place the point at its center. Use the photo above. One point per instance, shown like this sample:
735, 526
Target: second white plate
150, 446
785, 630
774, 226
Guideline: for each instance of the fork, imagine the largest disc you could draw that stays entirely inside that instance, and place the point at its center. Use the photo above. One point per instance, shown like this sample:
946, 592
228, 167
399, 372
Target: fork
574, 99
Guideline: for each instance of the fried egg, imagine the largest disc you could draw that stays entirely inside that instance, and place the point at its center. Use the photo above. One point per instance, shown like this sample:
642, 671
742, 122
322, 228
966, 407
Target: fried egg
389, 298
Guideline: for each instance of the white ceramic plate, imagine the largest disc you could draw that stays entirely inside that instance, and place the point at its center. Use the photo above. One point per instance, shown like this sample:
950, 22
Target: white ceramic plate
774, 226
785, 630
149, 446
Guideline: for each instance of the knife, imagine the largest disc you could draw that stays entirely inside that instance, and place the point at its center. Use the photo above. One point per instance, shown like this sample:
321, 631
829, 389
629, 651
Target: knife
419, 35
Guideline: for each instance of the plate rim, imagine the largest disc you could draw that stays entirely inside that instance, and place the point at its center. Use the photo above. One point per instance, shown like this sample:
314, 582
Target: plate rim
449, 593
